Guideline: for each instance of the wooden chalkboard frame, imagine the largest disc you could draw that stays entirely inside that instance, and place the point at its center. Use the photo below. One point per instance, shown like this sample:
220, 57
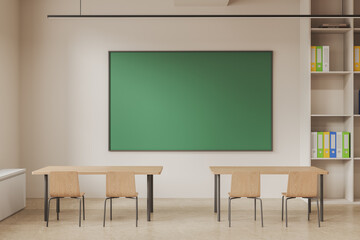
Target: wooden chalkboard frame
109, 100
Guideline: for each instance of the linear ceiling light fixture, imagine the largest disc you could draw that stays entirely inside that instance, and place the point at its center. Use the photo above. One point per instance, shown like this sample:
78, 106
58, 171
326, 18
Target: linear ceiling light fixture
204, 15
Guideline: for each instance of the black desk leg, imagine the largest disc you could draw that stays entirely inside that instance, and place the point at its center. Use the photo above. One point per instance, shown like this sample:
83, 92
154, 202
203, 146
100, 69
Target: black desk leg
321, 197
152, 194
215, 193
57, 205
218, 197
309, 205
45, 197
149, 196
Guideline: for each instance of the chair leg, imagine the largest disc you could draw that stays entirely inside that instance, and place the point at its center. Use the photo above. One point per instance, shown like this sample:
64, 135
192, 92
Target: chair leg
104, 211
79, 212
317, 204
261, 209
286, 213
282, 208
309, 199
137, 211
229, 212
110, 209
83, 199
255, 209
57, 208
48, 212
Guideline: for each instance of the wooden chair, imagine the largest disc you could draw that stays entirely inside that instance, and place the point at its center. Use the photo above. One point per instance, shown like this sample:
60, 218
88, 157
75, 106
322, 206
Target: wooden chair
120, 184
304, 185
245, 184
65, 185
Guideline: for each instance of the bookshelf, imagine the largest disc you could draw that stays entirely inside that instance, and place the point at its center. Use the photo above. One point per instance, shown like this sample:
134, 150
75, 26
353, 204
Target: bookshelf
330, 100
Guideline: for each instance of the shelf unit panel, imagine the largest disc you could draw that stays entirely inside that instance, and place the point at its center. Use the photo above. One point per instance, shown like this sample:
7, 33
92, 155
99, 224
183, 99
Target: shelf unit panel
357, 179
356, 7
356, 38
356, 94
339, 201
334, 124
331, 94
339, 49
332, 7
335, 182
357, 23
356, 134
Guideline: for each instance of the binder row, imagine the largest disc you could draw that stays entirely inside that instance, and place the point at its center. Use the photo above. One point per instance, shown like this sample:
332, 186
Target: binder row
356, 58
330, 145
320, 58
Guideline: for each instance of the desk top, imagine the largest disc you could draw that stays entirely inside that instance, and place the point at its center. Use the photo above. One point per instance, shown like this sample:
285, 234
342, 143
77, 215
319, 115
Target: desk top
99, 170
265, 170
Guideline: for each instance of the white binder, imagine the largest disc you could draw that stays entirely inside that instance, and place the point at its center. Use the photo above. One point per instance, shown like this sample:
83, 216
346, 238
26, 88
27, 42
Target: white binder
314, 145
326, 58
339, 144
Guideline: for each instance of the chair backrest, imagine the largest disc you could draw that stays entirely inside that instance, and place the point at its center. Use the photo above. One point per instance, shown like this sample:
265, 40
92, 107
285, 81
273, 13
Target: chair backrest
64, 184
245, 184
120, 184
302, 184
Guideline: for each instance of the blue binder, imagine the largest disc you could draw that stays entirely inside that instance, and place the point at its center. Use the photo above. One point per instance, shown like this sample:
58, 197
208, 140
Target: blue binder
332, 144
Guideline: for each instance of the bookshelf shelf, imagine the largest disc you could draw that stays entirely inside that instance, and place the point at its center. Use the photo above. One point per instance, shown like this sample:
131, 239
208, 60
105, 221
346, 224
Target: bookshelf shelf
330, 30
330, 159
339, 201
332, 73
331, 115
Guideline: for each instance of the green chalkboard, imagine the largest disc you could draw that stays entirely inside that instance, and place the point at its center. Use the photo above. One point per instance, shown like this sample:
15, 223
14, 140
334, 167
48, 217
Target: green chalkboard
190, 101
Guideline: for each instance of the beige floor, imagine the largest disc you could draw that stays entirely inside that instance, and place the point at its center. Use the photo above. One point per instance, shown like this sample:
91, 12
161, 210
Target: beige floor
182, 219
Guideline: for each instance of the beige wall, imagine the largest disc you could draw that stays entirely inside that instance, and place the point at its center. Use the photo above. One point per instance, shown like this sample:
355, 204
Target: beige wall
9, 83
64, 87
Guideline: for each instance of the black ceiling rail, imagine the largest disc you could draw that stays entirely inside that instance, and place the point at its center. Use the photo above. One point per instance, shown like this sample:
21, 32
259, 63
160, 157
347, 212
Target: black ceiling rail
208, 16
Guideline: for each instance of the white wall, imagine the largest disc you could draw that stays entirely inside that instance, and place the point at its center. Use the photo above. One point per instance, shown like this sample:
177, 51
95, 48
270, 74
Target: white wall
64, 87
9, 83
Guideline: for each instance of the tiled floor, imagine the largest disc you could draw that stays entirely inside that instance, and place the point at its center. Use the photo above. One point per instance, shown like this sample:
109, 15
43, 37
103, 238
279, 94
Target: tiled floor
182, 219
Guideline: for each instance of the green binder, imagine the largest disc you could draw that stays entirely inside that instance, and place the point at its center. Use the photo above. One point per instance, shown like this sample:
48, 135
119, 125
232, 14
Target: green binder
320, 144
319, 58
346, 144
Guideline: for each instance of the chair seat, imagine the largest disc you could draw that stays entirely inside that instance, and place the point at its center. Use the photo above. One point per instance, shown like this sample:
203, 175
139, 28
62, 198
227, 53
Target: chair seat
284, 194
245, 195
122, 195
55, 195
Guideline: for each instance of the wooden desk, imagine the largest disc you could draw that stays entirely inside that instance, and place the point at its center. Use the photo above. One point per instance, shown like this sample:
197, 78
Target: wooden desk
218, 170
150, 171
